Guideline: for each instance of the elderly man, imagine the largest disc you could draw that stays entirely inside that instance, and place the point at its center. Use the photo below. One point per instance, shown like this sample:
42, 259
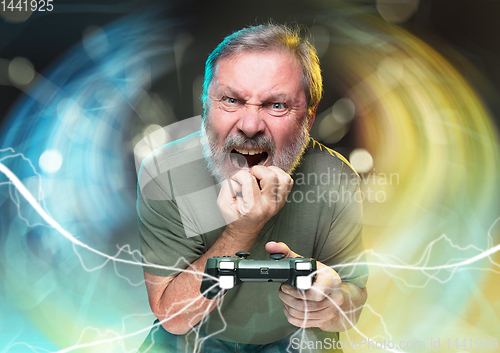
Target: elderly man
262, 86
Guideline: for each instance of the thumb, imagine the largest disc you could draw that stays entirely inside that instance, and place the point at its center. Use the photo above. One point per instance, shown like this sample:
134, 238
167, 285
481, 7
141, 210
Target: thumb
274, 248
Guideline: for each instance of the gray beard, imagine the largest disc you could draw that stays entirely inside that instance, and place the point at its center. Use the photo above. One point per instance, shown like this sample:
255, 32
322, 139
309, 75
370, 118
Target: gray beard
287, 160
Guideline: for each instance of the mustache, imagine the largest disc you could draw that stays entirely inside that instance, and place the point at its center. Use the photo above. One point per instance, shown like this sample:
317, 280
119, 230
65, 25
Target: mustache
240, 141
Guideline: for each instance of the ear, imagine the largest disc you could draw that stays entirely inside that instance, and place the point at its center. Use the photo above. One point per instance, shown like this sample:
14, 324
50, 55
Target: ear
311, 119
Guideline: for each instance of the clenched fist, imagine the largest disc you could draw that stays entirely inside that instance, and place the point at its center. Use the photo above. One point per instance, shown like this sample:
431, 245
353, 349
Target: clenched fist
248, 199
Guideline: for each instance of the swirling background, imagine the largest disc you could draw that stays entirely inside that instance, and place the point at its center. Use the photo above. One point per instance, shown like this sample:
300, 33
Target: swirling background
412, 106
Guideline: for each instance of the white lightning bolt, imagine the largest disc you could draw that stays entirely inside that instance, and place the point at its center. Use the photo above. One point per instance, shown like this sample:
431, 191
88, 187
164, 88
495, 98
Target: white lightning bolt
44, 214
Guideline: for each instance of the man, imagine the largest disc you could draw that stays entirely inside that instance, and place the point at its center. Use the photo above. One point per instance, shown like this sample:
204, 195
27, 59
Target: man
262, 86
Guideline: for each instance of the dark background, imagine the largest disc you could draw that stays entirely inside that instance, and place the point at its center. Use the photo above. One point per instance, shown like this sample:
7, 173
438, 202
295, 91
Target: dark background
470, 27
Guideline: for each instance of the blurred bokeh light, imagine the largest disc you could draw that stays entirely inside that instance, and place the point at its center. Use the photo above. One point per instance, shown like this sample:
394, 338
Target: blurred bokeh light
413, 125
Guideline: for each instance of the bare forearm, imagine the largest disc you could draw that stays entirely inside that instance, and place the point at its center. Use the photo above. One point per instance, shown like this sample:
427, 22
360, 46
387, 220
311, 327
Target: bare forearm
181, 305
246, 206
354, 300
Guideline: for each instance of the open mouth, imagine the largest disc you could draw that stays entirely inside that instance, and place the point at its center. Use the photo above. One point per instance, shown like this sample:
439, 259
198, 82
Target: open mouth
243, 158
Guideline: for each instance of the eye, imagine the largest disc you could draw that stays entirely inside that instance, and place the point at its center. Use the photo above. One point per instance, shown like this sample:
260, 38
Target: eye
230, 100
277, 106
230, 104
277, 109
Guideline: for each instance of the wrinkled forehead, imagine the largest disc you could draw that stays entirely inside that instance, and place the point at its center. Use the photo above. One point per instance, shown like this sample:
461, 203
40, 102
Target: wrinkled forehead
281, 56
271, 71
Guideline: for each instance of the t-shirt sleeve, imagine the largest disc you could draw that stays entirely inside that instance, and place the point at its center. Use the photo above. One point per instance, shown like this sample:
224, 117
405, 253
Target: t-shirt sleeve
170, 237
176, 207
343, 249
164, 243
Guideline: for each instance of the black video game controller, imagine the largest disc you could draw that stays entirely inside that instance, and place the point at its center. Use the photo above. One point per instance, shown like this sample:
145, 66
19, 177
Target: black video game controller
298, 272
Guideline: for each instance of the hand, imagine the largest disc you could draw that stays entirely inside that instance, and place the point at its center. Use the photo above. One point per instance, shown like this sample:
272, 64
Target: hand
317, 307
245, 206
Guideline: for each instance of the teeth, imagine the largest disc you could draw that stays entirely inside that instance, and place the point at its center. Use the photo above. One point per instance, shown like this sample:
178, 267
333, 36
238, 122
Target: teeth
236, 163
250, 152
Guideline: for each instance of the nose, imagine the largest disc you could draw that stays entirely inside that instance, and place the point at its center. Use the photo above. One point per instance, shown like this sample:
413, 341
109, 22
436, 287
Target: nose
251, 123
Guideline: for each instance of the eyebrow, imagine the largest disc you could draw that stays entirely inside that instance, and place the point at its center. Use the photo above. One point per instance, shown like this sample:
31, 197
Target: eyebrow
279, 97
228, 90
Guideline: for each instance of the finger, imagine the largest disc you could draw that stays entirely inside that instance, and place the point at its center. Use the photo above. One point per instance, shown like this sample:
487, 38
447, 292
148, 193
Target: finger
327, 284
309, 314
280, 248
250, 192
285, 183
229, 183
229, 189
301, 322
268, 180
301, 304
226, 201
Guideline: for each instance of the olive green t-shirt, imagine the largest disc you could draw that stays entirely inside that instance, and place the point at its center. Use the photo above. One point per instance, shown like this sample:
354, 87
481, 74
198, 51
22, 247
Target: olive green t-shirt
179, 221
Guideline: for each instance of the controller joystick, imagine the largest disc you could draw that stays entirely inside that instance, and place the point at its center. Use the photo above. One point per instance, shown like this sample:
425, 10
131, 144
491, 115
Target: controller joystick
242, 254
277, 256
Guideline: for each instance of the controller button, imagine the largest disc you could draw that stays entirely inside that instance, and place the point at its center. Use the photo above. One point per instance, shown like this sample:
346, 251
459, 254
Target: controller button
226, 282
304, 282
226, 265
303, 266
277, 256
242, 254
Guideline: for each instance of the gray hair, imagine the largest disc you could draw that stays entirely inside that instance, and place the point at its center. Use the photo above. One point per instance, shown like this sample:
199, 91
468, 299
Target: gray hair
264, 38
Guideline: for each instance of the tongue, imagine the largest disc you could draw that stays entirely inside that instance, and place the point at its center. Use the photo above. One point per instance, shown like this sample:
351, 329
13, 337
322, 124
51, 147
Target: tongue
254, 159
